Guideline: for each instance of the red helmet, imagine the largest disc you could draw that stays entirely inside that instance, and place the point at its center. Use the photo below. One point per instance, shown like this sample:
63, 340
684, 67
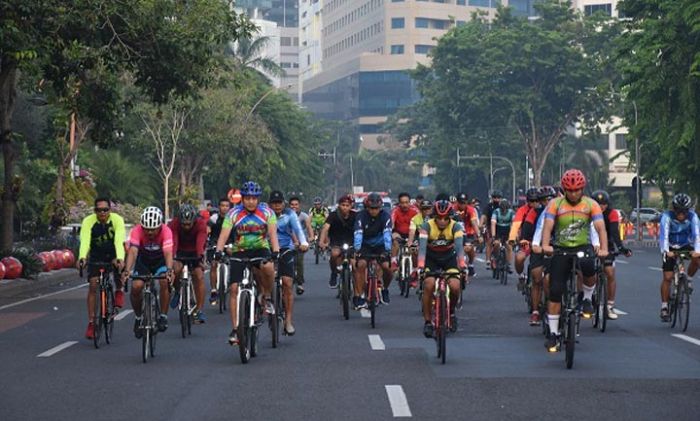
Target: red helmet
573, 179
442, 208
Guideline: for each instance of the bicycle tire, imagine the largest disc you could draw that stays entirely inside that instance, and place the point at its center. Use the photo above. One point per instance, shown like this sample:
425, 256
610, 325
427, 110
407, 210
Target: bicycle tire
570, 340
221, 284
109, 320
345, 292
145, 327
182, 312
274, 321
673, 304
602, 303
443, 327
254, 341
316, 253
191, 303
155, 311
97, 320
683, 305
243, 330
371, 300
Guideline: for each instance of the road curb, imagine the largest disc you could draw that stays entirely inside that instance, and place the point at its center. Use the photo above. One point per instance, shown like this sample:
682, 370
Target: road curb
10, 288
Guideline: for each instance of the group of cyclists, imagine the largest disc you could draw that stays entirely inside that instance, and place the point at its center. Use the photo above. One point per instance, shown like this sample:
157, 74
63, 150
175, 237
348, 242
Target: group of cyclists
442, 235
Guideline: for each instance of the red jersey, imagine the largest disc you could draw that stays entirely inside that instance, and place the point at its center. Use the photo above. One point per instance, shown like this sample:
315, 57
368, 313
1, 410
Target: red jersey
469, 216
192, 241
151, 249
402, 220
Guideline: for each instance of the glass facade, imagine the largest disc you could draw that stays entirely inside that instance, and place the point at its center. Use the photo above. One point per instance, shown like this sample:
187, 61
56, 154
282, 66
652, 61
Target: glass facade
523, 7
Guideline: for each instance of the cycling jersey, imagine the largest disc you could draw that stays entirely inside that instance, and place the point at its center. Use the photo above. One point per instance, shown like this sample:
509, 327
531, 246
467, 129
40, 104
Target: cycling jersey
416, 222
527, 230
488, 210
250, 227
372, 232
572, 222
288, 225
402, 219
151, 250
518, 220
105, 241
318, 216
676, 234
502, 219
435, 242
467, 218
341, 231
191, 242
612, 227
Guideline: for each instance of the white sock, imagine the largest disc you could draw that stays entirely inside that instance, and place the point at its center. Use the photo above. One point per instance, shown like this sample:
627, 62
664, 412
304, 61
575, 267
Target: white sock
588, 292
664, 304
553, 320
611, 303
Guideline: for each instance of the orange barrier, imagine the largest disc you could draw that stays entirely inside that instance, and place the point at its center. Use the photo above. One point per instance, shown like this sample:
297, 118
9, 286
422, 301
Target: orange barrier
652, 229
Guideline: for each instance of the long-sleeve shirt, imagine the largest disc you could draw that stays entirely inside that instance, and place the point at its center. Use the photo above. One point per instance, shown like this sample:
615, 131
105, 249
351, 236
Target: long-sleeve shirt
288, 225
102, 240
193, 240
676, 234
372, 232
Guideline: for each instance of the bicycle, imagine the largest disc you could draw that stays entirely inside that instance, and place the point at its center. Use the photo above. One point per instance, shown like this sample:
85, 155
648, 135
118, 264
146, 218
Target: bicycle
405, 259
372, 287
681, 289
346, 282
501, 267
278, 302
249, 311
442, 311
317, 247
150, 311
187, 305
600, 295
104, 303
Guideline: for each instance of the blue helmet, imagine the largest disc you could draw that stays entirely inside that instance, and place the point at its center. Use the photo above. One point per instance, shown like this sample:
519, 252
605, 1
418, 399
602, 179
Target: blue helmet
251, 188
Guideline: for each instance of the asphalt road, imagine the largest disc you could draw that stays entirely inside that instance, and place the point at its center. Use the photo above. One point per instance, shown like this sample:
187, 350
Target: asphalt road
497, 366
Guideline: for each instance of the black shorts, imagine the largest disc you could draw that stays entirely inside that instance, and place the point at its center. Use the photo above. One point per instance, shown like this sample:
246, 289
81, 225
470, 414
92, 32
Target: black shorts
191, 255
669, 264
561, 268
286, 263
237, 268
338, 242
149, 267
609, 260
502, 233
536, 260
374, 250
444, 262
470, 239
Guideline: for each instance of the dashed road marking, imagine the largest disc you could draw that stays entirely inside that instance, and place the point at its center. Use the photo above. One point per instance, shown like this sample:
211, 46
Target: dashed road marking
365, 313
123, 314
618, 311
654, 268
479, 259
375, 341
57, 349
622, 262
397, 400
28, 300
687, 338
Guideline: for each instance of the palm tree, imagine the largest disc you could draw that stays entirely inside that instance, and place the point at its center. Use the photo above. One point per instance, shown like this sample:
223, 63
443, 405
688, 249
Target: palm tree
247, 54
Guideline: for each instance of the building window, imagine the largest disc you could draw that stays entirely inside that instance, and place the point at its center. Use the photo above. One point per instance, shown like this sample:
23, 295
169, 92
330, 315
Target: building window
285, 41
397, 23
422, 22
461, 2
423, 49
485, 3
620, 142
397, 49
595, 8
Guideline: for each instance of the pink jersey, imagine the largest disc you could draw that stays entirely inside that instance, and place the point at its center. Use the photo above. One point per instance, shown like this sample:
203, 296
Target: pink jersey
152, 249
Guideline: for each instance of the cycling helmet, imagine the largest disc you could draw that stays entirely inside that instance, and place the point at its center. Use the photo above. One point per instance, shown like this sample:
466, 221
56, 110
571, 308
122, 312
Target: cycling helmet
496, 194
442, 208
547, 192
601, 196
453, 199
345, 198
532, 194
462, 198
426, 204
276, 196
682, 202
503, 205
373, 200
187, 213
251, 188
151, 218
317, 201
573, 179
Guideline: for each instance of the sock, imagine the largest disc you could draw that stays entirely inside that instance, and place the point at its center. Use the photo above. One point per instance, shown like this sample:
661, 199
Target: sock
611, 303
553, 320
664, 304
588, 292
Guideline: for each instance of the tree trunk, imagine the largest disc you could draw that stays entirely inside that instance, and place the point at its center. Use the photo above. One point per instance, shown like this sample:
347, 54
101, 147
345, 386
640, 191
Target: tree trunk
166, 206
10, 191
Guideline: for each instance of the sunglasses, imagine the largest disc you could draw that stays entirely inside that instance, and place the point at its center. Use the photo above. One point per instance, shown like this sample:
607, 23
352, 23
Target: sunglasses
573, 191
102, 210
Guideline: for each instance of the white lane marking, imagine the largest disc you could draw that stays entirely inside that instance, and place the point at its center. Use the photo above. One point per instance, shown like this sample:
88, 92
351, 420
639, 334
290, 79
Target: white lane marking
622, 262
365, 313
687, 338
654, 268
28, 300
123, 314
479, 259
375, 341
397, 400
57, 349
620, 312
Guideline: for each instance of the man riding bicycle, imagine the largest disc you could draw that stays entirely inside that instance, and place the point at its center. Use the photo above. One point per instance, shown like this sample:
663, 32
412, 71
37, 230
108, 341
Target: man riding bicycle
305, 221
485, 223
469, 218
215, 223
533, 202
102, 240
318, 214
501, 219
679, 231
339, 229
401, 217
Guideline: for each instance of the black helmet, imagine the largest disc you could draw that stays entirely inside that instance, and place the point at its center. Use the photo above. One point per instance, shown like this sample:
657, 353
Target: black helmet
503, 204
462, 198
682, 202
547, 192
426, 204
532, 194
374, 200
276, 196
496, 194
601, 196
187, 213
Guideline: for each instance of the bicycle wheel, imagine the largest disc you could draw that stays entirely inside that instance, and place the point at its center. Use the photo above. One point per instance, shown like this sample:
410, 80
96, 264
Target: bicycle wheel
244, 327
155, 312
442, 336
146, 328
182, 311
317, 252
221, 284
345, 292
570, 339
274, 321
602, 309
191, 303
98, 320
673, 305
372, 300
109, 319
683, 305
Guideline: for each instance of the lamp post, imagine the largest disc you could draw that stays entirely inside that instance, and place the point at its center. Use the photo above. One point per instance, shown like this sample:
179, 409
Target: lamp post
490, 158
325, 155
638, 184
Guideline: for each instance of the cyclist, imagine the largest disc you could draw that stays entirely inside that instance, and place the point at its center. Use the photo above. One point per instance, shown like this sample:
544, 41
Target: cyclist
318, 214
440, 248
372, 236
533, 202
189, 242
501, 220
401, 217
426, 210
679, 231
150, 252
486, 223
288, 226
251, 224
215, 222
612, 227
101, 240
305, 221
338, 229
469, 218
569, 218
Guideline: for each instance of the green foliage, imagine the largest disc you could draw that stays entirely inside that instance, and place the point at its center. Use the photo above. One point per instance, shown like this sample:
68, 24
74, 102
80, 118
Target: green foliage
74, 191
121, 177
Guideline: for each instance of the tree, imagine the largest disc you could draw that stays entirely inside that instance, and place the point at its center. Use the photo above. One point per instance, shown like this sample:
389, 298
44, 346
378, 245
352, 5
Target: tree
658, 56
247, 57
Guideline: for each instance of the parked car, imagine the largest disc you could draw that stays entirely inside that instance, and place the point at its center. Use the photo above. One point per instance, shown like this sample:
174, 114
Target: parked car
645, 215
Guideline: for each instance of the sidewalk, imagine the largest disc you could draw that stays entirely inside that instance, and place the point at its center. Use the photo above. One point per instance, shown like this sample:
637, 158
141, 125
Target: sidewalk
16, 288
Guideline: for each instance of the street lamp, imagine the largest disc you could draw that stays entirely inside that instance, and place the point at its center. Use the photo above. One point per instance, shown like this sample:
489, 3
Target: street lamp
490, 157
325, 155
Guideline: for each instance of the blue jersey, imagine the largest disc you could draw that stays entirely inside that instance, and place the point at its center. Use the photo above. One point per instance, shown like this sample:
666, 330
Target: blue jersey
676, 234
288, 224
372, 232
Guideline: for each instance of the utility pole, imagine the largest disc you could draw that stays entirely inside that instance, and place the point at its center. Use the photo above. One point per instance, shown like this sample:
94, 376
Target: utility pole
325, 155
491, 158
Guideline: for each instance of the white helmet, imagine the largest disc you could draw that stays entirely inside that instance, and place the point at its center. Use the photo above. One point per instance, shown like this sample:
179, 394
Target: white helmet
151, 218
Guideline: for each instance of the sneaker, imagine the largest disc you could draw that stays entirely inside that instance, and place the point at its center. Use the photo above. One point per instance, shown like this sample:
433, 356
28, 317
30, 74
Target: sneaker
587, 309
552, 343
665, 315
534, 318
175, 299
119, 299
90, 332
333, 282
214, 297
453, 323
200, 317
471, 271
233, 337
137, 328
300, 289
428, 330
289, 329
361, 303
385, 296
610, 313
509, 269
355, 304
269, 307
162, 323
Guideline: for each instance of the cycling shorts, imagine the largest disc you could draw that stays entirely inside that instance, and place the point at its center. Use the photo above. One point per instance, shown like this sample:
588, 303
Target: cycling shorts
670, 263
443, 262
286, 263
536, 260
145, 266
375, 250
502, 233
237, 268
